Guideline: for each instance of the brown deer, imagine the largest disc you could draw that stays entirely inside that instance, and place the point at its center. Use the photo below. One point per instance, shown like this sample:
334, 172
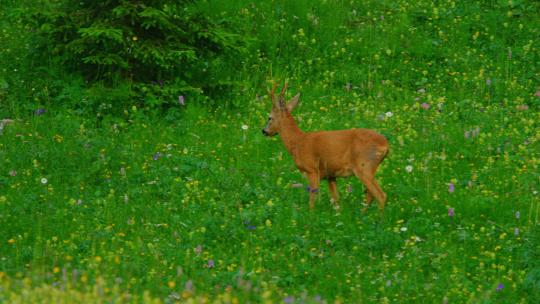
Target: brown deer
328, 154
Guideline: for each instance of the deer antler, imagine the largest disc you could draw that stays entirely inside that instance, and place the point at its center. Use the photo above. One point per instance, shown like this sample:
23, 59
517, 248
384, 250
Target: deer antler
282, 94
271, 93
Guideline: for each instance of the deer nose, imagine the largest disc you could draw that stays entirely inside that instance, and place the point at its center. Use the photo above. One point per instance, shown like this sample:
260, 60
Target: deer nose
264, 132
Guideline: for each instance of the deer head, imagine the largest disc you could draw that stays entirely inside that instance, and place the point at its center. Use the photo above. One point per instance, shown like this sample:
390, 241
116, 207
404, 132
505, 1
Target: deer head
280, 110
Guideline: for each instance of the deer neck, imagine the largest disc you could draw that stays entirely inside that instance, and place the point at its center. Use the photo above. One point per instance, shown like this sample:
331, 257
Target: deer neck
290, 133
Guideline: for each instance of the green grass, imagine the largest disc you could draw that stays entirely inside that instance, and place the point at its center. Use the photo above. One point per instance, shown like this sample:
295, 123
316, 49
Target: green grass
190, 206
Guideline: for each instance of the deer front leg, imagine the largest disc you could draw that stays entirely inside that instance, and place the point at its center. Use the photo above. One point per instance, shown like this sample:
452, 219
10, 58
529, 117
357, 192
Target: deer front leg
313, 179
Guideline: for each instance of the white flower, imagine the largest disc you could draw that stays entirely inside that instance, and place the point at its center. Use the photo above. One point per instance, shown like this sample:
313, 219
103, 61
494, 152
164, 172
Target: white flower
403, 229
44, 180
389, 114
408, 168
245, 127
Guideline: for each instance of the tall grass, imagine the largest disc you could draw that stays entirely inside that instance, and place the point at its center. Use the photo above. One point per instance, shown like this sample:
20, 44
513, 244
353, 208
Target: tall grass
198, 206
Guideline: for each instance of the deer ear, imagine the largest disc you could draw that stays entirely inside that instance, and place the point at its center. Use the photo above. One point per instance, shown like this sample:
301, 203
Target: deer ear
293, 102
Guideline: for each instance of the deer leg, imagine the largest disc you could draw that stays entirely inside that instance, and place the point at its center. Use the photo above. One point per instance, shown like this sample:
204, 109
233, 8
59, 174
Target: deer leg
332, 186
313, 179
366, 177
369, 200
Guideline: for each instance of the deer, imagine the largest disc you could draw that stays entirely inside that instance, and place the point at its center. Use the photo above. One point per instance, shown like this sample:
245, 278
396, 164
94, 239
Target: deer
328, 154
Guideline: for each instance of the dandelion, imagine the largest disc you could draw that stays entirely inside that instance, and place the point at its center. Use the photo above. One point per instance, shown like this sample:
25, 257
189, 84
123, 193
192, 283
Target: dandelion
500, 286
181, 100
44, 181
451, 212
425, 105
451, 187
409, 168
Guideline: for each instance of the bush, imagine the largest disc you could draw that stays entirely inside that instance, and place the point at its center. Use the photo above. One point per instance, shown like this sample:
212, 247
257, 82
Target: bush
161, 49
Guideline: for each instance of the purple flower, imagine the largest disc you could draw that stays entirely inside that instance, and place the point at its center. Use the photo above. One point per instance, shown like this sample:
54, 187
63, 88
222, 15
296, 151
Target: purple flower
210, 264
156, 156
289, 299
451, 187
450, 212
500, 286
40, 111
425, 106
181, 100
518, 214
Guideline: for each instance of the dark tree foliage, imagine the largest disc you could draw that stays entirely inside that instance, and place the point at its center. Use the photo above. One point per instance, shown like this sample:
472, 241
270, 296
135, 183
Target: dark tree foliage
145, 43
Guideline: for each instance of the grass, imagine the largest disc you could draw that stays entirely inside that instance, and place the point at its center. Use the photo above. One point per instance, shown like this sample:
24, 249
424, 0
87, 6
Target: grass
193, 206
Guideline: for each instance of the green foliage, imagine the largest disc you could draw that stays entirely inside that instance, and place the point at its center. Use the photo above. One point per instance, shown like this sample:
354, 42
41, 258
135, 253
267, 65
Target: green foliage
140, 44
195, 205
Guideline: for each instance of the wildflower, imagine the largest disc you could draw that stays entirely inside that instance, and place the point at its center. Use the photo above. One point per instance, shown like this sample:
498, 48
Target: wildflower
425, 105
516, 231
210, 263
403, 229
156, 156
134, 38
488, 81
44, 180
289, 299
537, 94
421, 91
500, 286
181, 100
451, 187
13, 173
518, 214
171, 284
467, 134
389, 114
409, 168
198, 249
40, 111
450, 212
245, 127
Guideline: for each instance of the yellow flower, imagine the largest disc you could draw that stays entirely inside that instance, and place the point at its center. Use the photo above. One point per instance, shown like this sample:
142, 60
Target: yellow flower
171, 284
11, 241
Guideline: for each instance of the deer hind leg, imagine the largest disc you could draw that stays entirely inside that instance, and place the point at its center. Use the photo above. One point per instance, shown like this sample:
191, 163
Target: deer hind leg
332, 186
366, 176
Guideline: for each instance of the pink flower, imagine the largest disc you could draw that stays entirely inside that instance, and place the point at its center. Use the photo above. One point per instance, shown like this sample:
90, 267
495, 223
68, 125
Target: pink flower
181, 100
451, 212
425, 106
537, 94
451, 187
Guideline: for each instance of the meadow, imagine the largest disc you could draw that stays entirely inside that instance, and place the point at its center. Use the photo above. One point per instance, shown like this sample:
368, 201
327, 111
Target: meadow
192, 204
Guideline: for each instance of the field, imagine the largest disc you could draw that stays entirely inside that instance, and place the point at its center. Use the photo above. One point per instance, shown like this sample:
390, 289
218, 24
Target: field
193, 204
